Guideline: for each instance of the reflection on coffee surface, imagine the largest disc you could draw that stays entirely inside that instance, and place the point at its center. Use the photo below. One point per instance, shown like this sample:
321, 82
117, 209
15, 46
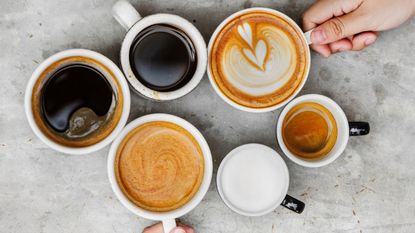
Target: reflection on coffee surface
259, 59
163, 58
72, 88
159, 166
76, 102
309, 131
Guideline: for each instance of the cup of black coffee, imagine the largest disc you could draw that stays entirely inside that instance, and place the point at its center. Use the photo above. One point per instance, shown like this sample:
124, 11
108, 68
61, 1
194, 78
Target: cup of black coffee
163, 56
77, 101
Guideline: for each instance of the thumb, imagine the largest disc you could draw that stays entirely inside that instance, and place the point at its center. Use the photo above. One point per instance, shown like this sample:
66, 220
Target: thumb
339, 27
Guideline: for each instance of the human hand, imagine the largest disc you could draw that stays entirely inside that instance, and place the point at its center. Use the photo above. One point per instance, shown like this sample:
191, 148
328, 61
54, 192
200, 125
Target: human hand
158, 228
342, 25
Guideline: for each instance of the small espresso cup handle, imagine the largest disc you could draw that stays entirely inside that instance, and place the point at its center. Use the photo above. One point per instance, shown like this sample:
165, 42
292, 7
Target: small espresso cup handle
293, 204
168, 225
358, 128
307, 36
125, 14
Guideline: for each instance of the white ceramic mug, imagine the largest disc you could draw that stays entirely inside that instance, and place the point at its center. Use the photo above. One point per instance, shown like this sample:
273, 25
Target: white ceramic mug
117, 74
132, 21
305, 37
168, 218
253, 180
344, 130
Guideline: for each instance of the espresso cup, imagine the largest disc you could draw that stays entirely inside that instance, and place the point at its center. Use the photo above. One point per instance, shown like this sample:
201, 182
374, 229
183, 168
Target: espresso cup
162, 55
158, 133
337, 124
77, 101
253, 180
258, 59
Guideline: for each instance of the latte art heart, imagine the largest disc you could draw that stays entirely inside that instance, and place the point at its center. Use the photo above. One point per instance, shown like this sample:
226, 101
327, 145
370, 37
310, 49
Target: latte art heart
259, 60
260, 49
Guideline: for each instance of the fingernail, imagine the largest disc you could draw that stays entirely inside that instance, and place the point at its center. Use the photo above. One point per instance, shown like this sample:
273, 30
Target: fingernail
179, 230
318, 36
370, 41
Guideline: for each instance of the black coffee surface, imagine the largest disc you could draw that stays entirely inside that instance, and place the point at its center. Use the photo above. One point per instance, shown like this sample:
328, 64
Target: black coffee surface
74, 87
163, 58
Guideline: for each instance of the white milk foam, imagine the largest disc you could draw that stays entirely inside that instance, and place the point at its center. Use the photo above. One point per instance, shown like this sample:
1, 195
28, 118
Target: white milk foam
271, 71
253, 180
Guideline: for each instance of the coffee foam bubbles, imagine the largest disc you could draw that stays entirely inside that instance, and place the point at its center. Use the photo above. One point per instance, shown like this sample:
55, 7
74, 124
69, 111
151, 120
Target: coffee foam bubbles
259, 60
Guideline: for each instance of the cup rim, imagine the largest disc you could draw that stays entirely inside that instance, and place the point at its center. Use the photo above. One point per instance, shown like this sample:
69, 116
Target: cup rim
204, 186
210, 75
117, 75
341, 119
190, 30
219, 177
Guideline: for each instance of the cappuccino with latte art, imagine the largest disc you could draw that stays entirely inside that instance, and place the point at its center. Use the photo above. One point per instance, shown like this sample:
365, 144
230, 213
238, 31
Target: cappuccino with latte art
258, 59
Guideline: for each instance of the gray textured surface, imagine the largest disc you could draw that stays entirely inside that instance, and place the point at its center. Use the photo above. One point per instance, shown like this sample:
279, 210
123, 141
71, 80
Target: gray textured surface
370, 188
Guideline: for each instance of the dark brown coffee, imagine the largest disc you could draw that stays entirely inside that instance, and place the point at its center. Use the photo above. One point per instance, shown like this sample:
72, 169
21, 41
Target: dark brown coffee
163, 58
72, 88
77, 102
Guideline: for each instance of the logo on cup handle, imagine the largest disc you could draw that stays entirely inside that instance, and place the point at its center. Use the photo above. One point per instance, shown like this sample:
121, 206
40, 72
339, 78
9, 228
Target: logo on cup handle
256, 54
358, 128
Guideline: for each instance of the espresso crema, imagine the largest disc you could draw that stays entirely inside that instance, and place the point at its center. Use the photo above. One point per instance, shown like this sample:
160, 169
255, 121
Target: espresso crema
159, 166
259, 59
309, 131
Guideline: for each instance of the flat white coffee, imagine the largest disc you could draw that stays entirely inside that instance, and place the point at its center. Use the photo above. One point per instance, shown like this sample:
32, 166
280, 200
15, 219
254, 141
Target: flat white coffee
258, 59
253, 179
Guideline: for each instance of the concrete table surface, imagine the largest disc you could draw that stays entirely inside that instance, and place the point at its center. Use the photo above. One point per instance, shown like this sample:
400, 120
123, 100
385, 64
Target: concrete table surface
370, 188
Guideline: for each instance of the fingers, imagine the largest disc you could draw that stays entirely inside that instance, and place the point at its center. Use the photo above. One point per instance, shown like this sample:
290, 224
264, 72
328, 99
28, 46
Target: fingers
324, 10
323, 50
353, 43
363, 40
337, 46
341, 45
179, 230
339, 27
182, 229
156, 228
186, 228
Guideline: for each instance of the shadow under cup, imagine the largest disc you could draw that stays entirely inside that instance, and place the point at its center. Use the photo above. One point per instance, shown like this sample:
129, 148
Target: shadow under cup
77, 101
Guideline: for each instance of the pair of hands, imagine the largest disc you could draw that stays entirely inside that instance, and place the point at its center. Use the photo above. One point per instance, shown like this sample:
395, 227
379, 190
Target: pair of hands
341, 25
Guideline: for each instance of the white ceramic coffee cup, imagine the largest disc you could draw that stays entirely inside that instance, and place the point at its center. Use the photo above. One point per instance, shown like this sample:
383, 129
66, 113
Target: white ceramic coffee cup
132, 21
305, 37
118, 75
253, 180
344, 130
168, 218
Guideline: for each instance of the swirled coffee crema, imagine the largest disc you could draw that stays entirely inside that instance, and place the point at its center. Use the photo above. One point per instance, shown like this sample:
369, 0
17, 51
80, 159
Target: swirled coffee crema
259, 59
159, 166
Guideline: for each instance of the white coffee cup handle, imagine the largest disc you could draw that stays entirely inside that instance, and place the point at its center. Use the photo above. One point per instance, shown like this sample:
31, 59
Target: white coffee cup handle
168, 225
125, 14
307, 36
